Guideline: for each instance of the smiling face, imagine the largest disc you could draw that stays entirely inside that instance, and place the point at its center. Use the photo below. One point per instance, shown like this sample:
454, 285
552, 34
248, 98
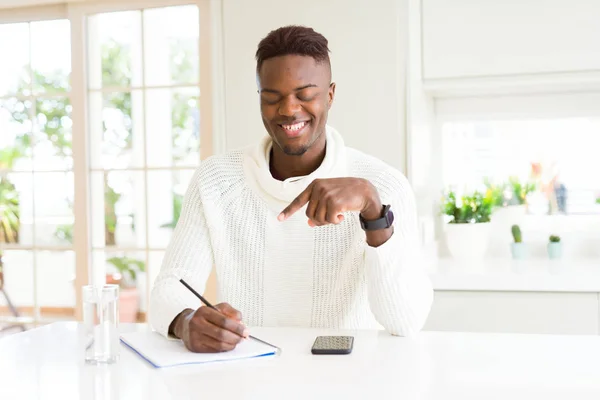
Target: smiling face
295, 97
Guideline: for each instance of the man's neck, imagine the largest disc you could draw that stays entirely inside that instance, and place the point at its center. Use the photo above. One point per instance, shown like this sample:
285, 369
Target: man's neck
284, 166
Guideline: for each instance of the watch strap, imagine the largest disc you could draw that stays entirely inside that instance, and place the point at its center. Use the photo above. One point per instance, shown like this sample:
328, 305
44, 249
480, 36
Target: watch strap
384, 222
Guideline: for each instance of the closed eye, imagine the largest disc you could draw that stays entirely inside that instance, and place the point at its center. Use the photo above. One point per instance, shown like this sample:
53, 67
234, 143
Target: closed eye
307, 94
270, 98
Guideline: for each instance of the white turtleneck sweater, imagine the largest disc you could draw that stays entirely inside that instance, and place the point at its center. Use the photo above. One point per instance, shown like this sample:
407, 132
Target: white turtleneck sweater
288, 273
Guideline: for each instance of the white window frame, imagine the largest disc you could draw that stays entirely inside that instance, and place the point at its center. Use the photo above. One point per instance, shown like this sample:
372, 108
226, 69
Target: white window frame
212, 107
507, 107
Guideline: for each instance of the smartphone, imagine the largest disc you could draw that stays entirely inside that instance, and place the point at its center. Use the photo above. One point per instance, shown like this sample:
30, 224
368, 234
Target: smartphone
333, 345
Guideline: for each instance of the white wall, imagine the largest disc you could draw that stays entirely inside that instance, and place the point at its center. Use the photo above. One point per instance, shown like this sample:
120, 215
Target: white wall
556, 105
475, 38
368, 56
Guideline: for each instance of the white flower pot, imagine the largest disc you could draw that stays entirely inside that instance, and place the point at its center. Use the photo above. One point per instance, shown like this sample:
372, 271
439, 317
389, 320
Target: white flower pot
509, 215
468, 241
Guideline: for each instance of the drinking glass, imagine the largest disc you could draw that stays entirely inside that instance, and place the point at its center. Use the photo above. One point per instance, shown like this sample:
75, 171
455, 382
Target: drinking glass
101, 323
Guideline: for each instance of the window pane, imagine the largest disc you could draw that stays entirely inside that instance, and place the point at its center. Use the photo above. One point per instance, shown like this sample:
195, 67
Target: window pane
53, 139
172, 127
51, 55
17, 272
54, 193
118, 204
155, 259
116, 130
555, 157
115, 49
16, 208
56, 283
14, 68
15, 134
171, 45
165, 196
128, 270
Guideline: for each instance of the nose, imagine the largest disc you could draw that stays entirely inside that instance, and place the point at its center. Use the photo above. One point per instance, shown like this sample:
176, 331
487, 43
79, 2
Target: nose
289, 106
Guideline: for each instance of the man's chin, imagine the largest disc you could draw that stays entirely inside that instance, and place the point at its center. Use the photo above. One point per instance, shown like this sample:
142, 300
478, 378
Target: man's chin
295, 150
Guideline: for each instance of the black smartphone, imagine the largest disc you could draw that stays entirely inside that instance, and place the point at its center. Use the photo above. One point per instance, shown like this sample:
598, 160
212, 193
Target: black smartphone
333, 345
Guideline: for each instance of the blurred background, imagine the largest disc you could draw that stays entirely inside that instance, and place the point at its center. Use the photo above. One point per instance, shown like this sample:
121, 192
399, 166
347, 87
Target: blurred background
491, 109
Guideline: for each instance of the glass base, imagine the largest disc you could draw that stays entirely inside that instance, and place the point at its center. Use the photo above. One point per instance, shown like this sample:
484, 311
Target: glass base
102, 361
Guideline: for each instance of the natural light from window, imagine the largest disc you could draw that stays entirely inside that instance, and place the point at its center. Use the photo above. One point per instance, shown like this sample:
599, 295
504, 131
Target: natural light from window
556, 156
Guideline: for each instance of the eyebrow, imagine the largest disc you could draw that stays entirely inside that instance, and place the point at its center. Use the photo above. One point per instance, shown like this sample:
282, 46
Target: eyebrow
295, 90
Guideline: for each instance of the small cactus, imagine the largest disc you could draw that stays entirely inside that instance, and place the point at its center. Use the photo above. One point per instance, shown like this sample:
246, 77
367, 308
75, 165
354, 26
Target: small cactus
554, 239
516, 232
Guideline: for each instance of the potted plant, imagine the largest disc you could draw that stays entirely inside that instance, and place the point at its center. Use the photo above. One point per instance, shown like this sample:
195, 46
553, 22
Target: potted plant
510, 199
468, 227
518, 248
126, 277
554, 247
519, 191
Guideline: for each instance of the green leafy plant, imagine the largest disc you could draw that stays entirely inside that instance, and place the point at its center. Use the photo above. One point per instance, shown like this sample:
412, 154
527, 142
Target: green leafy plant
474, 208
516, 232
554, 239
496, 192
520, 190
128, 268
9, 212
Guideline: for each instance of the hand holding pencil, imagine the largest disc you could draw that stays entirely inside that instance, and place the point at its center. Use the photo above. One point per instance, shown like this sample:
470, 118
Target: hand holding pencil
211, 328
208, 330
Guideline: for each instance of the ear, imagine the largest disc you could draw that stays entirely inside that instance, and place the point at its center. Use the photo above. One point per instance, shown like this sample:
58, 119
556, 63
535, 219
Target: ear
331, 94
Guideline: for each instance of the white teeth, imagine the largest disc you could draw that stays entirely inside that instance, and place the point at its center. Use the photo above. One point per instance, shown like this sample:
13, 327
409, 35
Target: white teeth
294, 127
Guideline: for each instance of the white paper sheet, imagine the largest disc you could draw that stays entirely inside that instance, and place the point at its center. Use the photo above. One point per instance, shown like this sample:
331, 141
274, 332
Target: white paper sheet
162, 352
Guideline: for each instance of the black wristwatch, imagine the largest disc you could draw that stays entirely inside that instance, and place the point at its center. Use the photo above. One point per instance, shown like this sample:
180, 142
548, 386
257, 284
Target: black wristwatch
386, 220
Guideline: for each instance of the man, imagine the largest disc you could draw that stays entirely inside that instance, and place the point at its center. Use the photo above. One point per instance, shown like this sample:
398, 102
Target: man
299, 227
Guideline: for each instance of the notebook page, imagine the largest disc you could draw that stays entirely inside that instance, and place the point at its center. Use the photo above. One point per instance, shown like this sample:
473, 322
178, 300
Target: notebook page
162, 352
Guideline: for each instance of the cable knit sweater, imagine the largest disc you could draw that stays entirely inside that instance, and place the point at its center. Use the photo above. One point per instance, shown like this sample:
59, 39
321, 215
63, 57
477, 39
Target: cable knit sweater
287, 273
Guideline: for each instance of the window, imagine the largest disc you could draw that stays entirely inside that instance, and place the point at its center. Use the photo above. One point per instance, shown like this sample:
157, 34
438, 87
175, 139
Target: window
143, 91
141, 130
36, 168
556, 156
550, 161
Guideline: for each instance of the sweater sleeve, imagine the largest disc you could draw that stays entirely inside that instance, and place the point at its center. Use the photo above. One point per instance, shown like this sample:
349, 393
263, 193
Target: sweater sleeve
400, 292
189, 256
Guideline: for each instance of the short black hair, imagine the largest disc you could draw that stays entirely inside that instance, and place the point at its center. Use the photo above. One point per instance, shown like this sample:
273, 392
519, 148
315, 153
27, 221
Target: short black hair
293, 39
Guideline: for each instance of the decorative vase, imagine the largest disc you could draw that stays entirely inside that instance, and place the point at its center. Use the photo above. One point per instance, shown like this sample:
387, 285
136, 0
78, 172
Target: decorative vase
518, 251
554, 250
468, 241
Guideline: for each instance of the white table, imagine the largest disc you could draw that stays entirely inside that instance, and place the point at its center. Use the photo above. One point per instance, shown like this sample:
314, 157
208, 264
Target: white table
46, 363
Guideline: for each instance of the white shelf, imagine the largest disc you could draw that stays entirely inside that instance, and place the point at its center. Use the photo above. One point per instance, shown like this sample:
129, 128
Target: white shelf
9, 320
30, 247
536, 275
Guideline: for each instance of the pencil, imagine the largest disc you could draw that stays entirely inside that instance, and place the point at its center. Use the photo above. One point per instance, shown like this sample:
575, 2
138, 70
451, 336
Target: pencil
207, 304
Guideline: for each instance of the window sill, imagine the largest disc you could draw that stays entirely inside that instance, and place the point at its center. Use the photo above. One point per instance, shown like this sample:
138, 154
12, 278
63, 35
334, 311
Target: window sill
533, 275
